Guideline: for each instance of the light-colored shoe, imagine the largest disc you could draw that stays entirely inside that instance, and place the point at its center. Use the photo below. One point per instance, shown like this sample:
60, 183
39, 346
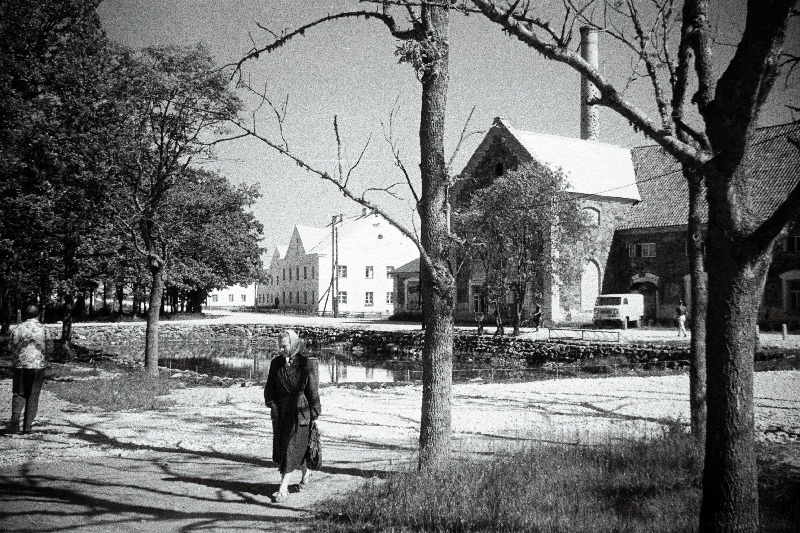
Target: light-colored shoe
280, 497
305, 482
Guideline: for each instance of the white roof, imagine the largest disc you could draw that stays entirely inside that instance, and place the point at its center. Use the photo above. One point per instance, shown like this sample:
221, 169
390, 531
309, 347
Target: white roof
593, 168
314, 240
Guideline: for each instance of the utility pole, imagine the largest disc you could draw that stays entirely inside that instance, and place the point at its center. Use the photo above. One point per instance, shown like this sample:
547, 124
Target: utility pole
336, 219
334, 266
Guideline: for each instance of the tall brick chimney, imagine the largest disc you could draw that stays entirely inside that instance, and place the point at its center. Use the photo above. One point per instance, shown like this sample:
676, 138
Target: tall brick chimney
590, 114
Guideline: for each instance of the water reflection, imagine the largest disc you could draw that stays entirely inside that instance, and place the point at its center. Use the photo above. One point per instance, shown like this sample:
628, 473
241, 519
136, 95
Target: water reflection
251, 361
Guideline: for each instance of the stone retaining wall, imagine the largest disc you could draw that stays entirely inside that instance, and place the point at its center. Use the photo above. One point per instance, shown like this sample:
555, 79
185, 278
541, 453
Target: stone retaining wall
498, 352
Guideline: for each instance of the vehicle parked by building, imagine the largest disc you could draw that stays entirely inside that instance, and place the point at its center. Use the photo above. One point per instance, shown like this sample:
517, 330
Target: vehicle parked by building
622, 309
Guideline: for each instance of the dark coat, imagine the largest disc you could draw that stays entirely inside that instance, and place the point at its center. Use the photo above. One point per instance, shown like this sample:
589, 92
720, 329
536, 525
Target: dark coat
293, 395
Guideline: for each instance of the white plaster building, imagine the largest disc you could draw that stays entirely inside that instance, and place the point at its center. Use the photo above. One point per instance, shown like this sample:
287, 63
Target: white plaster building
234, 297
363, 253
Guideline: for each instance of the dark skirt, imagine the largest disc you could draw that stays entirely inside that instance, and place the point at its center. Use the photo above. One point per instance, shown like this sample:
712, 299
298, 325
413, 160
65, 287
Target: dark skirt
289, 445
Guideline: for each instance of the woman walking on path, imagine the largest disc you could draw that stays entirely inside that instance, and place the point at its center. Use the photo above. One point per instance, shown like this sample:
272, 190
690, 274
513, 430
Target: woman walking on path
292, 395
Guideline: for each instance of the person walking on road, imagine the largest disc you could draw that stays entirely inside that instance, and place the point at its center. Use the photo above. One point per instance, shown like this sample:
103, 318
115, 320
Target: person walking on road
537, 316
292, 394
681, 312
28, 361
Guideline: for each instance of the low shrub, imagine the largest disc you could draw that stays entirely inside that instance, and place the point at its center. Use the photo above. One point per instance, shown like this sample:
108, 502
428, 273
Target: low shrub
130, 390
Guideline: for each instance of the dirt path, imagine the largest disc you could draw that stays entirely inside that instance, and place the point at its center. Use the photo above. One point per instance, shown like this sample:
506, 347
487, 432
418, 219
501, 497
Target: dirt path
203, 464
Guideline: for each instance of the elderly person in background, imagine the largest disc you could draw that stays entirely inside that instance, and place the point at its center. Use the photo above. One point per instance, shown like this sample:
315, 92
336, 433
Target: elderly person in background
27, 354
292, 395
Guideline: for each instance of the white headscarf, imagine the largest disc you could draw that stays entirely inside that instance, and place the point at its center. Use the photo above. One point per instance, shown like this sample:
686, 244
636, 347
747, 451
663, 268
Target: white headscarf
294, 343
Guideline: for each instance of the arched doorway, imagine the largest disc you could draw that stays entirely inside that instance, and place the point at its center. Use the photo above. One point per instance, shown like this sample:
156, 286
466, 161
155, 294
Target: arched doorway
650, 293
590, 285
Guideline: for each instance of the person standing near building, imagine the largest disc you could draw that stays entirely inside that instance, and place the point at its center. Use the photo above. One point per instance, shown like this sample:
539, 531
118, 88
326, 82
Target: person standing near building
28, 358
681, 312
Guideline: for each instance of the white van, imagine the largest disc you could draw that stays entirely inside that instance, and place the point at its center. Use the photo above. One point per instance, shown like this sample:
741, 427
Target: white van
623, 309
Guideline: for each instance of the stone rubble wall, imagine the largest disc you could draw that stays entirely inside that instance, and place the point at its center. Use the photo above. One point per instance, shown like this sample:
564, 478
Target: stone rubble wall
469, 348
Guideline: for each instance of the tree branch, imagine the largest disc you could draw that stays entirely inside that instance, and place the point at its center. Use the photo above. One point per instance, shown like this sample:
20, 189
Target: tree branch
344, 190
610, 97
285, 37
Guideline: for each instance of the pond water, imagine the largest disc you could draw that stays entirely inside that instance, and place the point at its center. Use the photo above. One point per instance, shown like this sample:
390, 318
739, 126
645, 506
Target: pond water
251, 361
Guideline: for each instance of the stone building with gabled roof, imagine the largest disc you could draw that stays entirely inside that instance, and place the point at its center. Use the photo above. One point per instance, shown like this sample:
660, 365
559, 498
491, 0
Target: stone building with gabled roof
638, 200
601, 178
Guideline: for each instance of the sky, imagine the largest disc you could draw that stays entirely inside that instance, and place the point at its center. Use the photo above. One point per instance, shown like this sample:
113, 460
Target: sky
348, 69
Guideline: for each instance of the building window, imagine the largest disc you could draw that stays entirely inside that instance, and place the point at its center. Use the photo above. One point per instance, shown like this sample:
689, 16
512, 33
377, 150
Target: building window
370, 273
702, 248
244, 297
793, 244
313, 270
793, 294
297, 297
389, 270
498, 169
592, 216
305, 297
645, 249
305, 272
290, 296
389, 297
230, 297
297, 272
214, 298
284, 297
290, 273
284, 274
341, 271
342, 297
368, 299
477, 299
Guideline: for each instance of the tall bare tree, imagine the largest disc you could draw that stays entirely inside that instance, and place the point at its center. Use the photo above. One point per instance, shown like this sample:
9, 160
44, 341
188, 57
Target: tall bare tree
715, 152
424, 45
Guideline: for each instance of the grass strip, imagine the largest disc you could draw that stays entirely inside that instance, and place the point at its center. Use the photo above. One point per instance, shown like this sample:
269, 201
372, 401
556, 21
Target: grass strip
129, 390
620, 486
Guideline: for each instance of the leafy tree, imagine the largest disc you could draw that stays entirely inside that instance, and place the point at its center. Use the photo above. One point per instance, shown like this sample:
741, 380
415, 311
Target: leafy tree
217, 242
182, 100
523, 227
714, 149
55, 67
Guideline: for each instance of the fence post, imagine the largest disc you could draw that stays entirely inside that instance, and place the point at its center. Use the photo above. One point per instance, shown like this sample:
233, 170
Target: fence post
784, 331
314, 364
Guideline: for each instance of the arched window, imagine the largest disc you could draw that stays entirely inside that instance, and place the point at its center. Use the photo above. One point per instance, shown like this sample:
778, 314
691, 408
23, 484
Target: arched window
591, 215
590, 284
791, 291
498, 169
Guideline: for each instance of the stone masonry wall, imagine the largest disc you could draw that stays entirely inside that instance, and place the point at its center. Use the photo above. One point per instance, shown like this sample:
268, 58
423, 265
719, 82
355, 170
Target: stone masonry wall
478, 351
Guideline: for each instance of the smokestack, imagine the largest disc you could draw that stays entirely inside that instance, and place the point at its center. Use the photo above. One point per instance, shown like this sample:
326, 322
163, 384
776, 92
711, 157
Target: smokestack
590, 114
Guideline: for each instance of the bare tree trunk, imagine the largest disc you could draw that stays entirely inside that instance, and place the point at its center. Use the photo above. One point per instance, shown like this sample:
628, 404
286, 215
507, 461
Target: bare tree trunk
105, 298
438, 286
515, 320
730, 489
66, 326
5, 313
697, 323
120, 294
153, 314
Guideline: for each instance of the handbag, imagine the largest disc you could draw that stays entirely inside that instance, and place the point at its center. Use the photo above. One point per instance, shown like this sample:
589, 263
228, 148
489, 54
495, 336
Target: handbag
314, 450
